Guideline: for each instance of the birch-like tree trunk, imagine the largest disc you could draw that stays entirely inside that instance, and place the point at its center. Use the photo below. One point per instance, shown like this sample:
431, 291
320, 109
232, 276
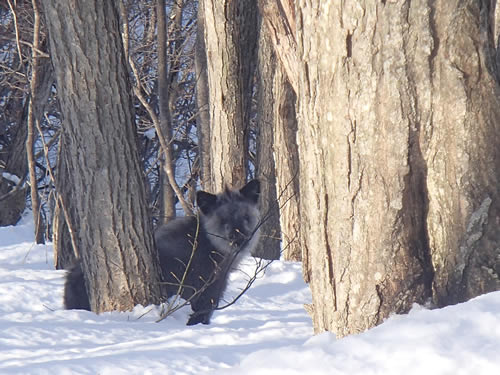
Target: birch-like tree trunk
399, 152
105, 188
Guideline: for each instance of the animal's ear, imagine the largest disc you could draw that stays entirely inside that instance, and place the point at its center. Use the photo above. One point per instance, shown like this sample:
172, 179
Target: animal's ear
251, 191
206, 201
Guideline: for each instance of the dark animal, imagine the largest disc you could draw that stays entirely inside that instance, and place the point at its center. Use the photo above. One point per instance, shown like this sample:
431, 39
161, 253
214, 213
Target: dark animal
197, 253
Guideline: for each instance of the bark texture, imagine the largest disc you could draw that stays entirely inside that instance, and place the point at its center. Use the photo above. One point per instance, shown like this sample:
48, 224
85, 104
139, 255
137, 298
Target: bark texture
105, 191
13, 161
202, 102
463, 152
399, 151
231, 41
278, 18
286, 159
269, 243
167, 206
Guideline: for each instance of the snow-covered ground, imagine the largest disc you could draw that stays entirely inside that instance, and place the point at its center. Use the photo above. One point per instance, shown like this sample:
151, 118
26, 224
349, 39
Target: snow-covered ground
266, 332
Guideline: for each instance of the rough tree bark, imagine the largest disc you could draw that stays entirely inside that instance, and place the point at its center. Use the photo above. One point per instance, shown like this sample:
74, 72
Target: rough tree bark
108, 197
65, 246
278, 18
286, 160
14, 162
202, 102
34, 115
399, 153
231, 41
167, 207
269, 243
463, 151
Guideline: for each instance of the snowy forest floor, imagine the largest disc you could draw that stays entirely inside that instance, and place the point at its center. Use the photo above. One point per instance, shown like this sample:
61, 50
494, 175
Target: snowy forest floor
266, 332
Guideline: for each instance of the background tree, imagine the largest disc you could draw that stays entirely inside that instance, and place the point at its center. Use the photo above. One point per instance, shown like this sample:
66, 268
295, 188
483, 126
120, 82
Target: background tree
231, 47
269, 244
111, 212
279, 29
25, 77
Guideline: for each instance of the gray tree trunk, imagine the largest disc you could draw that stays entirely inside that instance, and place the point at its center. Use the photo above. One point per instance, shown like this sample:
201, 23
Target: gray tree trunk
65, 252
107, 194
270, 237
279, 20
286, 159
462, 151
202, 102
13, 161
33, 116
231, 40
399, 152
167, 206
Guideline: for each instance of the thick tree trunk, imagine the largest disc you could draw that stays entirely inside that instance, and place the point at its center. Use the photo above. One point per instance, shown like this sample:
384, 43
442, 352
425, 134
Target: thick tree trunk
65, 250
463, 151
107, 195
399, 154
278, 18
13, 162
231, 40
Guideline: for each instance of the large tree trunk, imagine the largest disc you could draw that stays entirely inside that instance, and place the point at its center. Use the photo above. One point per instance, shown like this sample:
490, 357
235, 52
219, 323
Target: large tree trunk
399, 154
462, 152
107, 195
231, 41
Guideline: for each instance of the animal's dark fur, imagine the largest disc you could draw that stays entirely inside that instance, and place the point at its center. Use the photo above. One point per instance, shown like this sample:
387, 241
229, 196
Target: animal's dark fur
75, 294
211, 244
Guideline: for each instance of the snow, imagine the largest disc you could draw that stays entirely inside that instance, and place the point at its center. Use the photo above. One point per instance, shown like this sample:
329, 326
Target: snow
11, 177
150, 133
266, 332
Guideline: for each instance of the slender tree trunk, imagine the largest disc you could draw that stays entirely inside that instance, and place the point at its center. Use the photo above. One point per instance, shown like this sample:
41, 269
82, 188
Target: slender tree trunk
167, 208
202, 101
269, 244
231, 41
108, 199
32, 117
399, 152
286, 159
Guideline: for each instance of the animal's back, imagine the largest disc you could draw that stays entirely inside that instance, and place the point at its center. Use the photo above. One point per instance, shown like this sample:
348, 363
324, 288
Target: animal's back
177, 238
180, 243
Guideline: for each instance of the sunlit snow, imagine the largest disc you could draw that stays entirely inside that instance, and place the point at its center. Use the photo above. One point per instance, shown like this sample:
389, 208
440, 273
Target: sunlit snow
266, 332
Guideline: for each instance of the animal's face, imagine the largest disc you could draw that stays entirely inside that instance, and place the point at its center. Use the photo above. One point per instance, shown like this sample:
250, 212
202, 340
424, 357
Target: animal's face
231, 218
